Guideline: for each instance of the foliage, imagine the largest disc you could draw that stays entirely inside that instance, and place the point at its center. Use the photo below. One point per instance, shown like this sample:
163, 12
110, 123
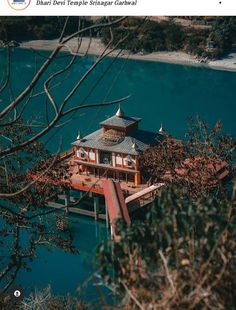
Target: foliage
17, 169
148, 36
36, 27
181, 257
161, 158
44, 300
196, 42
223, 35
25, 224
143, 36
29, 176
193, 162
151, 36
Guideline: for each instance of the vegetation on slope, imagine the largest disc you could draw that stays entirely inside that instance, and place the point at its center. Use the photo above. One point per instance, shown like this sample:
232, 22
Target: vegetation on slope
36, 27
150, 36
143, 35
182, 256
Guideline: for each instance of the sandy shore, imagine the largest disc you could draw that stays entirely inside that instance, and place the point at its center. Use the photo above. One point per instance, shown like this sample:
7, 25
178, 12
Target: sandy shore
96, 47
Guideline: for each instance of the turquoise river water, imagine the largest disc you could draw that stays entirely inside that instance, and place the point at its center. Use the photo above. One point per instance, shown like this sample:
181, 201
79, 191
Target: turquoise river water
160, 93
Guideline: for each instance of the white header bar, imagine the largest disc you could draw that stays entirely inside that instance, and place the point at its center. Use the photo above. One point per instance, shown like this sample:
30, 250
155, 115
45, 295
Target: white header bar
117, 7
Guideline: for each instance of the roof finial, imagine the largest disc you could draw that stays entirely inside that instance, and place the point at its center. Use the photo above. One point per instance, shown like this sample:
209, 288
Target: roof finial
79, 137
161, 130
120, 112
134, 145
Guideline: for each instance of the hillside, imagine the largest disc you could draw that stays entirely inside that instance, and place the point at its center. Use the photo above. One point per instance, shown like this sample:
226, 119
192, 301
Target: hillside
209, 37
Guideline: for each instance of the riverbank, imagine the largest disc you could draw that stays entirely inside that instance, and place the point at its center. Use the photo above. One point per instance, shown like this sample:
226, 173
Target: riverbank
95, 47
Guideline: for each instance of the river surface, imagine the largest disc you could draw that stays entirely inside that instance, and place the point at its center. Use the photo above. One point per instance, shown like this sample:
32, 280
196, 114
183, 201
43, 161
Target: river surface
160, 93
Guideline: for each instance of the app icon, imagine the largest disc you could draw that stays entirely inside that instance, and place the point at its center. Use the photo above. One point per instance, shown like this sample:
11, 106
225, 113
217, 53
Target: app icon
19, 5
17, 293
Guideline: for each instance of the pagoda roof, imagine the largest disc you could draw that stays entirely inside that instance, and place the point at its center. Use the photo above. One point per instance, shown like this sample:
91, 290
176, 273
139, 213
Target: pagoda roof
140, 138
120, 121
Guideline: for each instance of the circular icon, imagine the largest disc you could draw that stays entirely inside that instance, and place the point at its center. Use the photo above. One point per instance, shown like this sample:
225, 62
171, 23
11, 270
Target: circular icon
17, 293
19, 5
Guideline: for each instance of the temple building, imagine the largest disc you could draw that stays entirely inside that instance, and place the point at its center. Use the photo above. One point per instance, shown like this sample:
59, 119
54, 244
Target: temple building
114, 150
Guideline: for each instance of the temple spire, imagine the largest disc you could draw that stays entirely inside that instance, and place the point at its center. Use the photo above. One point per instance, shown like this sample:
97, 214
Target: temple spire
120, 112
134, 145
79, 137
162, 130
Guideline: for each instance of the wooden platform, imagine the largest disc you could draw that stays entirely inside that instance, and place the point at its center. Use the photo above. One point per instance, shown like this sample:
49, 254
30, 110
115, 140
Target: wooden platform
132, 203
75, 210
122, 197
143, 198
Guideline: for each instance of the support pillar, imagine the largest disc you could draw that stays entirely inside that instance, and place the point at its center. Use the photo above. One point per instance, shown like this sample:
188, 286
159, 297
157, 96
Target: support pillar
137, 178
107, 218
81, 194
67, 200
96, 207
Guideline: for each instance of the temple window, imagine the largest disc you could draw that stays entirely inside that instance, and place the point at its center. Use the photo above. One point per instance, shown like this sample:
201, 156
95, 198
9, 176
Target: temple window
81, 153
92, 154
118, 159
128, 161
105, 158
